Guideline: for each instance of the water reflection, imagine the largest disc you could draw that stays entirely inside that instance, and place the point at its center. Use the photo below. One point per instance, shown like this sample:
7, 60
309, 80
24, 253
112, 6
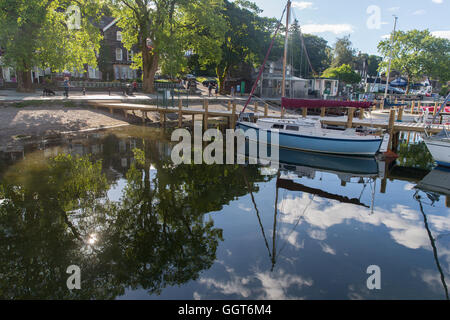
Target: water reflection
140, 227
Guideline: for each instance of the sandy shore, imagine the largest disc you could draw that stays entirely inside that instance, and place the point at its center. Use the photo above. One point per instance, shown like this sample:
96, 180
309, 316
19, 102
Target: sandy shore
20, 123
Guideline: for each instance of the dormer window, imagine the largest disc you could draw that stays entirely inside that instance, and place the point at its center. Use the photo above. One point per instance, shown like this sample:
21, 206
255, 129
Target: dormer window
119, 54
119, 36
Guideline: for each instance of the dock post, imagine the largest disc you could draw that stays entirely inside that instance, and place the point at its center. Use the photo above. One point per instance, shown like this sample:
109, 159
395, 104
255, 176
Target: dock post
266, 110
447, 201
435, 108
161, 118
322, 112
205, 115
382, 105
351, 112
282, 112
111, 110
180, 113
361, 114
256, 107
233, 116
400, 114
305, 112
419, 105
412, 106
229, 105
391, 127
144, 115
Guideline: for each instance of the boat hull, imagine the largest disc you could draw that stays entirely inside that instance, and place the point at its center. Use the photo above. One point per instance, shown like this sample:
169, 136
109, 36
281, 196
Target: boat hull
440, 150
321, 145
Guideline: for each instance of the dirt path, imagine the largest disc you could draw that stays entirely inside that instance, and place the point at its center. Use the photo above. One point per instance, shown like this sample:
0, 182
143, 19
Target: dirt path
18, 123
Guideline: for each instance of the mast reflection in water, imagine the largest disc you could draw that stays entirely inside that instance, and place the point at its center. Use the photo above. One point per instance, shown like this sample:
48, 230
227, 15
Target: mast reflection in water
139, 227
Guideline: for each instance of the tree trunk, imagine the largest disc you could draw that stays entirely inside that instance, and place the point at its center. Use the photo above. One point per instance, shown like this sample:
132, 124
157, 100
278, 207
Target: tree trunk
149, 66
408, 85
222, 74
24, 83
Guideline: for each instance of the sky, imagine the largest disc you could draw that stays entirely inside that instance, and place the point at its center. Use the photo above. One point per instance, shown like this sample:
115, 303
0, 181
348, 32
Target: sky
366, 21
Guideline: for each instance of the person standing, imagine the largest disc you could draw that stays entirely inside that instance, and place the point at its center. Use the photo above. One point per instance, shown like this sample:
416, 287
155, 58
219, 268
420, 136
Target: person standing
135, 86
66, 87
232, 91
238, 89
210, 87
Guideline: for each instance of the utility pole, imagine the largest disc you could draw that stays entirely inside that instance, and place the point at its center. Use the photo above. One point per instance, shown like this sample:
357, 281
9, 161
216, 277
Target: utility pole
390, 58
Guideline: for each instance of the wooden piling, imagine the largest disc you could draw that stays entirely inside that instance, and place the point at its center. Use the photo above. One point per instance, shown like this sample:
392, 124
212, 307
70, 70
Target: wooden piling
412, 107
391, 127
180, 113
205, 116
266, 110
361, 114
111, 110
256, 107
305, 112
229, 106
447, 201
322, 112
144, 115
283, 110
233, 116
351, 113
435, 108
382, 105
400, 114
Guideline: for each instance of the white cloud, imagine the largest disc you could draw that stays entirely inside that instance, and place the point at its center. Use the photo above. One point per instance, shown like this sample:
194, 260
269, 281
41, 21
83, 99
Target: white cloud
302, 5
438, 1
442, 34
334, 28
419, 12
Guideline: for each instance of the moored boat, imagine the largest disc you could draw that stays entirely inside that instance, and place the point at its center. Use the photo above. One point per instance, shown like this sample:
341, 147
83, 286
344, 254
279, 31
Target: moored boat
439, 147
310, 135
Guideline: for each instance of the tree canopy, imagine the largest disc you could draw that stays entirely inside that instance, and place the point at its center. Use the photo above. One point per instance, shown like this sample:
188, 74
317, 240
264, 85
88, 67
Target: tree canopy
36, 33
166, 30
343, 73
418, 53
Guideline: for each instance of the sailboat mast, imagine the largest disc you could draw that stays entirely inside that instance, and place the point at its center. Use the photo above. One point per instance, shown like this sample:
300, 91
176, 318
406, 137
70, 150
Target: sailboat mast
283, 84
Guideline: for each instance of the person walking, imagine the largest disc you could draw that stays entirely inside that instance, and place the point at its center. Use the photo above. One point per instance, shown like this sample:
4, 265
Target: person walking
66, 87
210, 87
217, 89
232, 91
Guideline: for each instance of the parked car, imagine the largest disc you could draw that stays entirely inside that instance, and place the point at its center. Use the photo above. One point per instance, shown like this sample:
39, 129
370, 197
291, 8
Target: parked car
382, 89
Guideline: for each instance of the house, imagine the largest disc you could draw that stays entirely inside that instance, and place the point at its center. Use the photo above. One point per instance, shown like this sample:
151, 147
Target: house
270, 83
324, 87
114, 59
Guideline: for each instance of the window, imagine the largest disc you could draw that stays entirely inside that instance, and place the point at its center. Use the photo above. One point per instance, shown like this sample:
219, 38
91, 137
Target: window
119, 36
278, 126
119, 54
292, 128
130, 55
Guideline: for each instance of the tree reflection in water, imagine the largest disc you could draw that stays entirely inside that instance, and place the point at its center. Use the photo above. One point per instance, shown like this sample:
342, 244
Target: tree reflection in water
57, 213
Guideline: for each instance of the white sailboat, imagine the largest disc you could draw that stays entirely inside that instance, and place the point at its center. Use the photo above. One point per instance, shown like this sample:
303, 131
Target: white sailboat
439, 145
309, 134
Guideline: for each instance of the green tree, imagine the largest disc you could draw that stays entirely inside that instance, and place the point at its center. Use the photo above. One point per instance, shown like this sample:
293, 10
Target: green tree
246, 39
343, 73
374, 62
418, 53
343, 52
35, 33
165, 30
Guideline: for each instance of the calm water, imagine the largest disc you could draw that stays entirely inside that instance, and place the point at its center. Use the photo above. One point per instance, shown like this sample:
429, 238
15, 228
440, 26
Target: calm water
140, 228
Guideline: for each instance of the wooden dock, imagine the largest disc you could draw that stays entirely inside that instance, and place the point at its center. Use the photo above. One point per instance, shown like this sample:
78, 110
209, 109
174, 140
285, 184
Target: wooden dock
394, 124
